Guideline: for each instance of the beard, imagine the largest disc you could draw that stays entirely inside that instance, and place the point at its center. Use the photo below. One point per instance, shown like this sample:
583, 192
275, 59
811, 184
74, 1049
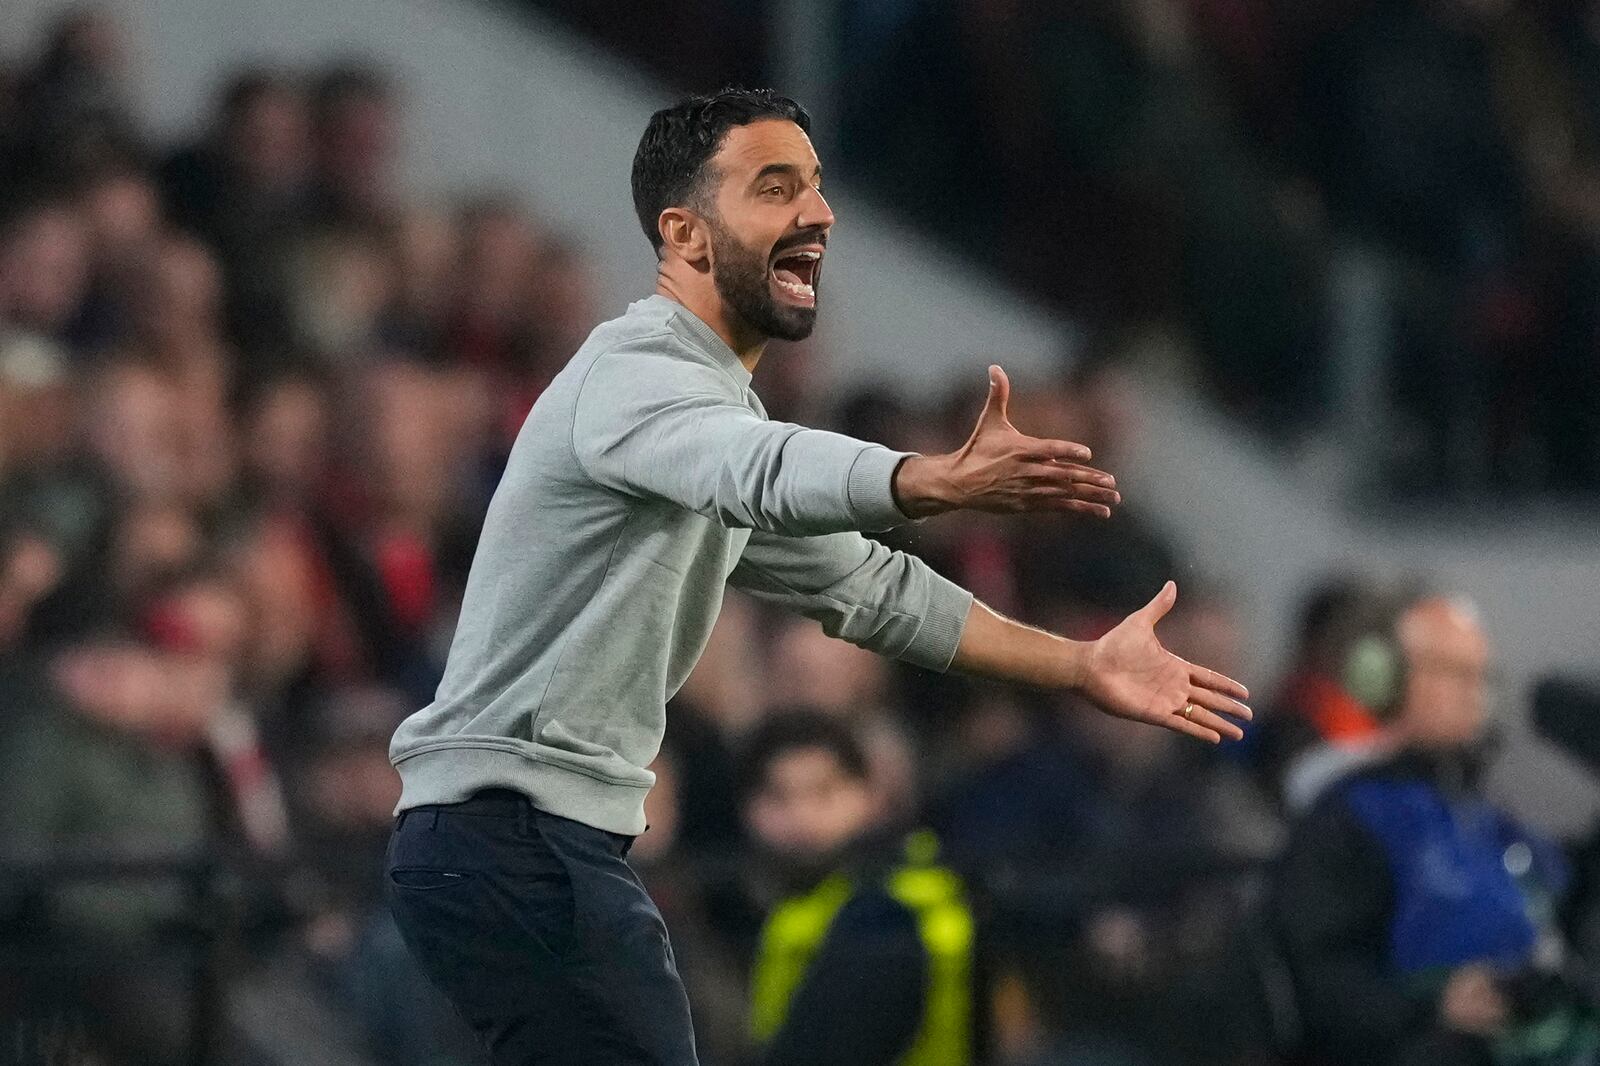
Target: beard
740, 274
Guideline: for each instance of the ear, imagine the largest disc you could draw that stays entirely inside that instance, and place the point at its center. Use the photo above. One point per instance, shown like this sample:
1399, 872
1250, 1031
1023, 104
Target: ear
684, 235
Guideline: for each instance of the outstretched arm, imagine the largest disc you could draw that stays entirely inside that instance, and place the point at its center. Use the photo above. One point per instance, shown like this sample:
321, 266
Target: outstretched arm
1126, 673
894, 604
652, 421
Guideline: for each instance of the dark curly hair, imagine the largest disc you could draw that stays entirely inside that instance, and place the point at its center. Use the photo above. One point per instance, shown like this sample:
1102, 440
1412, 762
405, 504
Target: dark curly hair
788, 730
669, 169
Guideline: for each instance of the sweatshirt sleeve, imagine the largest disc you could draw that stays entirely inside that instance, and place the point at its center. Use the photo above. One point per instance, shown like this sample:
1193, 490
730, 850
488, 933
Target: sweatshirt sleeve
886, 601
652, 421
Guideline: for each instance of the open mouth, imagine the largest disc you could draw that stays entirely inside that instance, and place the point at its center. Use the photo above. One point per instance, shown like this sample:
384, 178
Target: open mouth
795, 274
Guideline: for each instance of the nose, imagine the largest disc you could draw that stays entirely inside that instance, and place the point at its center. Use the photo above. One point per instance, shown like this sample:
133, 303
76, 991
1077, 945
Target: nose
814, 211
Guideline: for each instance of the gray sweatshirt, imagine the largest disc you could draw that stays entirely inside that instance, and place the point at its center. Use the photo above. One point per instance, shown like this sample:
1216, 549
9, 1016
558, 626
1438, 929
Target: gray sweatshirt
647, 477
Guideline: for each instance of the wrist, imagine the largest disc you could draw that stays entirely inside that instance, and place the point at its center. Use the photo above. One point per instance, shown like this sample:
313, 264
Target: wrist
1077, 661
921, 486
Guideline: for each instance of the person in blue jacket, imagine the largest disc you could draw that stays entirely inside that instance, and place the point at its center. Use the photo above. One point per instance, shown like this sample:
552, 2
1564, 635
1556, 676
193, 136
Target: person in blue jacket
1418, 918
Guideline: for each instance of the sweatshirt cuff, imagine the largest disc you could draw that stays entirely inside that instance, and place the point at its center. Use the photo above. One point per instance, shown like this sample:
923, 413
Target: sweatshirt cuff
936, 640
870, 489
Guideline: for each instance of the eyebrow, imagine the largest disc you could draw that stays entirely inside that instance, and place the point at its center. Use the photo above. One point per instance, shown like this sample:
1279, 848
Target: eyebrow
788, 170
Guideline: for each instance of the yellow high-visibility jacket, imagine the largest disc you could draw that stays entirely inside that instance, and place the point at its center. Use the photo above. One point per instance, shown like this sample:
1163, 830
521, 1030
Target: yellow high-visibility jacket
935, 895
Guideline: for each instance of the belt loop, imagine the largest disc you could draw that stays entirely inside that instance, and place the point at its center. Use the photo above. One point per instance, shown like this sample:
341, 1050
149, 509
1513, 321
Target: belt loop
525, 818
435, 824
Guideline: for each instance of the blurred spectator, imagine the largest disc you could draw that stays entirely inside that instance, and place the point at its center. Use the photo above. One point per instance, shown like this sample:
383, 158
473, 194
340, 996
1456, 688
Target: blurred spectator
120, 209
493, 326
725, 685
106, 766
70, 509
812, 669
345, 796
341, 282
243, 190
344, 793
285, 435
153, 541
51, 528
695, 885
1407, 141
30, 567
1103, 570
563, 303
1041, 998
866, 954
427, 254
355, 132
44, 269
70, 106
1419, 919
130, 421
1548, 76
1313, 725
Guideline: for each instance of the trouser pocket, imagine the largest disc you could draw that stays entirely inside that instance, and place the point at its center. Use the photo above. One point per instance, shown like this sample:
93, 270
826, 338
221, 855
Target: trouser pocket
424, 879
462, 887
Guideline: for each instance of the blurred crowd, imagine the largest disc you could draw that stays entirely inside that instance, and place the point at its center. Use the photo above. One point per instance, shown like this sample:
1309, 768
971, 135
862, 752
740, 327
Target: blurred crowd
253, 401
1372, 223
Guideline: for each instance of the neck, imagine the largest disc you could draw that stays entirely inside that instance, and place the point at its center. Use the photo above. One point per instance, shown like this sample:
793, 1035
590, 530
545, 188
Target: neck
701, 298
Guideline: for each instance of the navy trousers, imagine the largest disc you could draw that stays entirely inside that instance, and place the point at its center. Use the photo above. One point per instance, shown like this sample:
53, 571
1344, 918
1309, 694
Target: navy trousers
540, 933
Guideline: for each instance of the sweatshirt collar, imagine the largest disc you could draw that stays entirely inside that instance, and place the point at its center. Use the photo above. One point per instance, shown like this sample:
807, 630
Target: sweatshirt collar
709, 342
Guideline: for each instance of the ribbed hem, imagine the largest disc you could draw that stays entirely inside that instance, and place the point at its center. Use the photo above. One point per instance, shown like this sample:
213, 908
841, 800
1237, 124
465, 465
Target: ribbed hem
451, 774
937, 638
870, 488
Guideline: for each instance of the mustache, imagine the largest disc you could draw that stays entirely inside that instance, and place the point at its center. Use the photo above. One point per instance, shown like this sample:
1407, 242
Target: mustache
800, 240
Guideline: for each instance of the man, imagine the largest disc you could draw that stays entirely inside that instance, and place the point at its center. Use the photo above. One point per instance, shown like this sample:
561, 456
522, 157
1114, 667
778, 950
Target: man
866, 955
645, 478
109, 757
1418, 919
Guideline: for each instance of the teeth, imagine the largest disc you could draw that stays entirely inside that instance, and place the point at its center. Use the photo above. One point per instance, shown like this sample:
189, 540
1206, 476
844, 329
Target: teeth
797, 290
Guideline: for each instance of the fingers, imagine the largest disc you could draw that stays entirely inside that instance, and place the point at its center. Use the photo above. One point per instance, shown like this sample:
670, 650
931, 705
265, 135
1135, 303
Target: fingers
1211, 721
1058, 485
1179, 724
994, 408
1096, 510
1157, 608
1082, 499
1200, 677
1059, 450
1059, 472
1093, 494
1221, 704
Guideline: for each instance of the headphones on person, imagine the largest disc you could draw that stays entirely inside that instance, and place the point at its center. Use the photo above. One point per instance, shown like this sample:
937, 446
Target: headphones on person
1373, 670
1374, 673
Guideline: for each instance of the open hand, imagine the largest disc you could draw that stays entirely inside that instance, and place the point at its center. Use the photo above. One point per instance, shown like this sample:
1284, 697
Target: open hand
1001, 469
1130, 675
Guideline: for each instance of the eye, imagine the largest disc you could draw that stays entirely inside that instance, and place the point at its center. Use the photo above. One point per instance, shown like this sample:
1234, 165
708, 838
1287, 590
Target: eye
772, 190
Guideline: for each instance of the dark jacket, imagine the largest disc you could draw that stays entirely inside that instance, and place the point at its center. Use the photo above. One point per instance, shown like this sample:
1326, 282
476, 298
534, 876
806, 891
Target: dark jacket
1401, 874
861, 1002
